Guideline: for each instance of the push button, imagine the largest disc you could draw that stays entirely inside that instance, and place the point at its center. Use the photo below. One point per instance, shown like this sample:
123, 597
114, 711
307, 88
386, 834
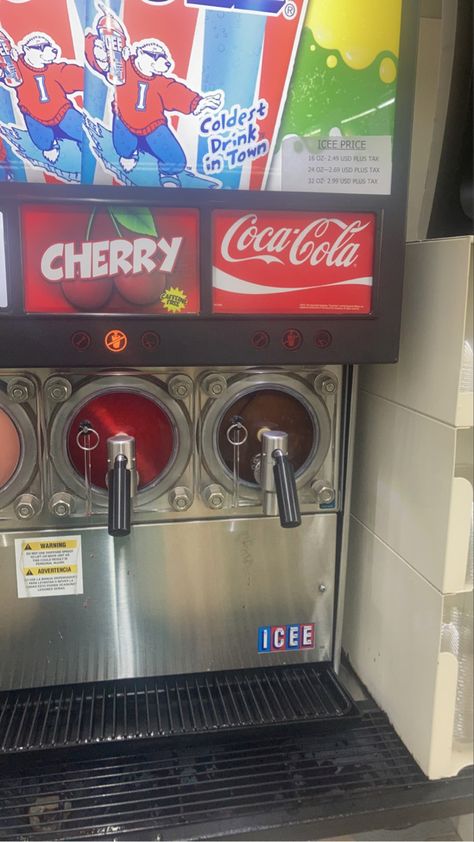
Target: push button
116, 341
260, 339
149, 340
322, 339
81, 340
292, 339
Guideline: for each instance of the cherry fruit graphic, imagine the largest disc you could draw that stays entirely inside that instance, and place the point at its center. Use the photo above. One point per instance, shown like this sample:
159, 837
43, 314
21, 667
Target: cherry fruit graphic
92, 294
88, 295
141, 289
144, 289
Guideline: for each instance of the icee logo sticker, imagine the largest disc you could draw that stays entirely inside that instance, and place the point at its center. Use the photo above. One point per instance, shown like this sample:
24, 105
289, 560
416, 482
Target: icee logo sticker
292, 637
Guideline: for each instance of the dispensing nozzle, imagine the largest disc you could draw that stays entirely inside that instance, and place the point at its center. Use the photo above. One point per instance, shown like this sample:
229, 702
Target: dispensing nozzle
277, 479
122, 482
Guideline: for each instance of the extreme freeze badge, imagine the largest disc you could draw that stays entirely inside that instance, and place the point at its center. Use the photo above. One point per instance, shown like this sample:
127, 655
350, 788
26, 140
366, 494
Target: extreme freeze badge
233, 137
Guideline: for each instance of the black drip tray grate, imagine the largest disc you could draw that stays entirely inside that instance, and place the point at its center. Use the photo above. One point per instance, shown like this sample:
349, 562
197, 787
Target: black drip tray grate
56, 717
198, 791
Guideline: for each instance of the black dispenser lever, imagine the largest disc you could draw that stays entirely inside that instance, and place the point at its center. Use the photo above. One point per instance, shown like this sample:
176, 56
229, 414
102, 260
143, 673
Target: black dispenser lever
122, 480
287, 495
277, 478
119, 497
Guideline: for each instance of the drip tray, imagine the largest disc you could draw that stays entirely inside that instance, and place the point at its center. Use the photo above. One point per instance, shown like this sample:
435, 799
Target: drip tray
283, 787
190, 705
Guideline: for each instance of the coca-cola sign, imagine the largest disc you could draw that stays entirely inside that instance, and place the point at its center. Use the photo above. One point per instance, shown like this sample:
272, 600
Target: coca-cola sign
110, 259
293, 262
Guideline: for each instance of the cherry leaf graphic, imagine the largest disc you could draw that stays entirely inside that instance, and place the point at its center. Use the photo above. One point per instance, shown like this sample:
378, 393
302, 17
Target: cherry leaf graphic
138, 220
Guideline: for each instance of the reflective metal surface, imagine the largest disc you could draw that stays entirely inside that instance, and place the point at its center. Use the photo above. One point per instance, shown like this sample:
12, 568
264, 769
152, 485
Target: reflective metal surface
177, 427
123, 445
190, 399
271, 440
10, 448
21, 416
188, 589
241, 393
171, 598
352, 376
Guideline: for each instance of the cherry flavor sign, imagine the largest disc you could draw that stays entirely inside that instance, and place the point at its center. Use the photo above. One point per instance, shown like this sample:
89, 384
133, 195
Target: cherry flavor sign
293, 262
111, 259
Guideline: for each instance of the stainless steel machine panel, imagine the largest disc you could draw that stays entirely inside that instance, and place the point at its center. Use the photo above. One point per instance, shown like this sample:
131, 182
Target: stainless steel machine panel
174, 598
179, 419
21, 487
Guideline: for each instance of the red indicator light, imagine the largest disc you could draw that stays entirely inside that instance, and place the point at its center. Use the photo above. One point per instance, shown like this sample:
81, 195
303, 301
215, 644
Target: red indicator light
116, 341
292, 339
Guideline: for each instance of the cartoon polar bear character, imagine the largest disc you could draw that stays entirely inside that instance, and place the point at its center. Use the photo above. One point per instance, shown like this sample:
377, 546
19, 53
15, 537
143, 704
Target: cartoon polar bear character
140, 103
44, 91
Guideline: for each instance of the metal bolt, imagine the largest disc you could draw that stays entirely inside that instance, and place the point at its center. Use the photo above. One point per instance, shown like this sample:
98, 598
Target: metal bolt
215, 385
26, 506
20, 390
214, 496
18, 393
58, 389
325, 384
322, 588
180, 386
24, 511
180, 498
323, 492
62, 504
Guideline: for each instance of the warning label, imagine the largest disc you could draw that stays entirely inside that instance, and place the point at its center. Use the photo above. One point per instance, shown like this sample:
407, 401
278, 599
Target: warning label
47, 571
49, 567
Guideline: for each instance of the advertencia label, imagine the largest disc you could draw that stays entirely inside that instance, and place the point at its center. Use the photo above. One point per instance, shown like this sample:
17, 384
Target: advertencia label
48, 566
293, 262
110, 259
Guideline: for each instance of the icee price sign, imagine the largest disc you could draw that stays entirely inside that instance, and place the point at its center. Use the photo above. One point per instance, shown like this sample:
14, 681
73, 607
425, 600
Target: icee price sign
220, 94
